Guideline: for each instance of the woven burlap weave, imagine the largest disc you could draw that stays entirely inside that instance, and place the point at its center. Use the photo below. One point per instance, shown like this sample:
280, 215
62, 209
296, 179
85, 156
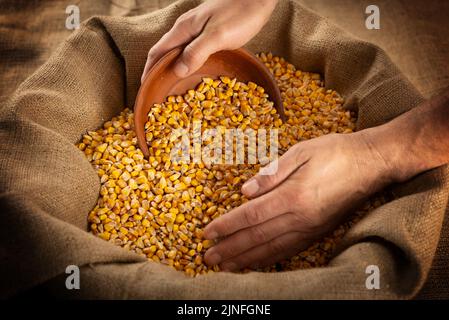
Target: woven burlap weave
47, 186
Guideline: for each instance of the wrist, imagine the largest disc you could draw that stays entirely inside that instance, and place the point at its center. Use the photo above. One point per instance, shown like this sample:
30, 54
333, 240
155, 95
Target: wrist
413, 142
396, 146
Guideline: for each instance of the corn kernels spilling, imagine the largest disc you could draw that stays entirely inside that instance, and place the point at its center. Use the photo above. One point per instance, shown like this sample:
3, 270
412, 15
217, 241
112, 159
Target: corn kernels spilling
158, 208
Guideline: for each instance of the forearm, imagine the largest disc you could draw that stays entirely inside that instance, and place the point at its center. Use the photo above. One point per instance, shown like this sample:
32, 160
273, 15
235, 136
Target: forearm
416, 141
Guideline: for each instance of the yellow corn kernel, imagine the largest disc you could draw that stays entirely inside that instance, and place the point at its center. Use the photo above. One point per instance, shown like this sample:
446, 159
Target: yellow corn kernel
180, 218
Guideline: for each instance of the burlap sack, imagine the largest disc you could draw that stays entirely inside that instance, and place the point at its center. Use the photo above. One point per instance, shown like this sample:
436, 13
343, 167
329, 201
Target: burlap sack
48, 187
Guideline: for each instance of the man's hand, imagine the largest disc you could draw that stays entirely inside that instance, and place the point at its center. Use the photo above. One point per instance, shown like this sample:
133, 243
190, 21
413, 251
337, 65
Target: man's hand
317, 181
213, 26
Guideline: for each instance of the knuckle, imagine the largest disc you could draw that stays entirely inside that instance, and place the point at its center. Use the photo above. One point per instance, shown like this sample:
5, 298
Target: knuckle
189, 51
152, 53
183, 27
227, 251
267, 180
252, 216
276, 246
190, 55
190, 12
308, 222
182, 20
258, 235
299, 153
219, 33
239, 262
292, 193
196, 19
222, 226
298, 221
189, 23
296, 199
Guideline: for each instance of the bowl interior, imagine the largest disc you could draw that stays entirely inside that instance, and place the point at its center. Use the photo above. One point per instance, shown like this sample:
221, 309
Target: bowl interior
161, 82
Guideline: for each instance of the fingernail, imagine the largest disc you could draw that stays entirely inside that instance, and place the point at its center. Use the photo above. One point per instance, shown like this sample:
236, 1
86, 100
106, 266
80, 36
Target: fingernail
250, 188
213, 259
210, 235
229, 266
145, 69
142, 78
181, 69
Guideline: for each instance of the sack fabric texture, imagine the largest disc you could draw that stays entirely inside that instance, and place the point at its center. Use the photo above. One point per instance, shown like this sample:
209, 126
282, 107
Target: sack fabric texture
47, 186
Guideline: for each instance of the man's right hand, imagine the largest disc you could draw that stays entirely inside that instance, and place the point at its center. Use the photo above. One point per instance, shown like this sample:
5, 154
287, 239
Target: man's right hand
213, 26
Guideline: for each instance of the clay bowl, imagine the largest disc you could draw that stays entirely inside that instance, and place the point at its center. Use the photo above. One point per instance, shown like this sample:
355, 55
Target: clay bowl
161, 82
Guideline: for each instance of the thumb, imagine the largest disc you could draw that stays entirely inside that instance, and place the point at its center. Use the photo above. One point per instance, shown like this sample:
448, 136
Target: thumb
275, 173
196, 53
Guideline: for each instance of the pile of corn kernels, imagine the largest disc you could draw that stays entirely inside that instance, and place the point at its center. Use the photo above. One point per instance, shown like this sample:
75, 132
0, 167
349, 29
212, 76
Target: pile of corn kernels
158, 208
